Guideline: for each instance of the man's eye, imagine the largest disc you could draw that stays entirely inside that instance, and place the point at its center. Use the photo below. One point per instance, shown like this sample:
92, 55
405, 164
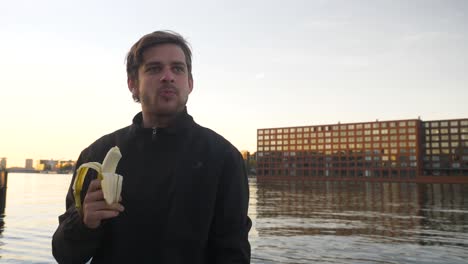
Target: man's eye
153, 69
179, 69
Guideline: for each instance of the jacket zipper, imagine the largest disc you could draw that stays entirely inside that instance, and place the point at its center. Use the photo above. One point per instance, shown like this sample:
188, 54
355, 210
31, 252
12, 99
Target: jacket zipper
153, 135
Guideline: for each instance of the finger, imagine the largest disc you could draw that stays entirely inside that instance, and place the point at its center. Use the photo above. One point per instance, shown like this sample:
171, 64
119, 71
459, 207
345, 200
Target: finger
96, 195
94, 185
102, 205
105, 214
117, 206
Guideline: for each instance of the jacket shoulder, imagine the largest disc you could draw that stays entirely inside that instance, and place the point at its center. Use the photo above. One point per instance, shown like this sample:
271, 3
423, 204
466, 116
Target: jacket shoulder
101, 146
214, 140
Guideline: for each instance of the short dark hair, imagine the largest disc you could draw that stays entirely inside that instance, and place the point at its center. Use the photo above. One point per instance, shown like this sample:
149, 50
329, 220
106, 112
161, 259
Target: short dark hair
135, 55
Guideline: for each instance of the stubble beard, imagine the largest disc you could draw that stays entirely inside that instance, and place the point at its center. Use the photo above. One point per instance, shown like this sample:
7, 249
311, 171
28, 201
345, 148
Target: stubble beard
154, 106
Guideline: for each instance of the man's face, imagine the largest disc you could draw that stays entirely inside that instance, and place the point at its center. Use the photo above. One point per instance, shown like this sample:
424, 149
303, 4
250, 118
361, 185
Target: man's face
163, 84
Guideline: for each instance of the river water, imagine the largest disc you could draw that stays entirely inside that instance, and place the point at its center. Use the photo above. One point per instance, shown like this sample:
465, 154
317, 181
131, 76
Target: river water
293, 222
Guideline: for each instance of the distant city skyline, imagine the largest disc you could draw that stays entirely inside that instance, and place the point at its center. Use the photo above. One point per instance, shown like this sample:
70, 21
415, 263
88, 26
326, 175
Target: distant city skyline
256, 64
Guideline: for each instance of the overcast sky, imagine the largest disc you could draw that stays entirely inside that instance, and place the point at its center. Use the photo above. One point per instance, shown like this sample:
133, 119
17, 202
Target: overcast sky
256, 64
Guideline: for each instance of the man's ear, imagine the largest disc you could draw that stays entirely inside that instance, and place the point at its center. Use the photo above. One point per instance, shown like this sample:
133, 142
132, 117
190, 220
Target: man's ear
190, 83
133, 87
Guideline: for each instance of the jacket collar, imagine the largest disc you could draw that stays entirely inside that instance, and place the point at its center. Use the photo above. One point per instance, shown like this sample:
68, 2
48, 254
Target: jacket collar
179, 124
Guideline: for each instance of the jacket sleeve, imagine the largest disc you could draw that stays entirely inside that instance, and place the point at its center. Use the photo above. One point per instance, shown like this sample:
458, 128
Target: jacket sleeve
228, 241
73, 242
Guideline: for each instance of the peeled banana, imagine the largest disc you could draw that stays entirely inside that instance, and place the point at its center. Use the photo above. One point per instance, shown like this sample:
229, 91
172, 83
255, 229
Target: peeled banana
111, 182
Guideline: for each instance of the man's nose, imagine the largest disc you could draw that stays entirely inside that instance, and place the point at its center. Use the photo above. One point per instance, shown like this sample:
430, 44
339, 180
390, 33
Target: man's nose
167, 76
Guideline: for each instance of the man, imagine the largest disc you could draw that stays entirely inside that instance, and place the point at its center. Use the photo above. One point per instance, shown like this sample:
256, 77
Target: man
185, 191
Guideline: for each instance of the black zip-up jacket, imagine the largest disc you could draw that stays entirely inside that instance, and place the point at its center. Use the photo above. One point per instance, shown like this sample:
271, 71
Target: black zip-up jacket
185, 193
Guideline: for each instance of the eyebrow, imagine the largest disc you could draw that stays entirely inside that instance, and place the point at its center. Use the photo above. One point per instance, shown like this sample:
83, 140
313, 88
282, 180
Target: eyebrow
157, 63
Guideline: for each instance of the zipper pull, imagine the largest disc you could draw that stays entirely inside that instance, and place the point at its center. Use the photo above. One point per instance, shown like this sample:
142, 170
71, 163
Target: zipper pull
153, 135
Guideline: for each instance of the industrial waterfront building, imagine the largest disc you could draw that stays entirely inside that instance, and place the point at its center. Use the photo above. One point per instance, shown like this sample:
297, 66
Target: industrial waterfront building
399, 150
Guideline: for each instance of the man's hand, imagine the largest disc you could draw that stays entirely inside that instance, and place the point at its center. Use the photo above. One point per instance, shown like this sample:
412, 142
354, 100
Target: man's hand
95, 208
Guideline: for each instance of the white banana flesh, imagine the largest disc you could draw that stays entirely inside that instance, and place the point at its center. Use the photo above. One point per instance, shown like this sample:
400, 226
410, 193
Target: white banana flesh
111, 182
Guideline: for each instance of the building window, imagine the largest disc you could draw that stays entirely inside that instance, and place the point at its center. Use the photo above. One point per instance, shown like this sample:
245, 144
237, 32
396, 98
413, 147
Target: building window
454, 123
260, 132
453, 130
434, 124
402, 124
350, 126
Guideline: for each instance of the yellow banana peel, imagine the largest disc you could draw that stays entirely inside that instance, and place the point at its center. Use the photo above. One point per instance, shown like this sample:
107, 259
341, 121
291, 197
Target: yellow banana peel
111, 182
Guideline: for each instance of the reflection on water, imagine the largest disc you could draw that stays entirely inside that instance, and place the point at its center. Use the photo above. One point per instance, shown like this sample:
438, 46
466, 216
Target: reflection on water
358, 222
293, 222
33, 204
